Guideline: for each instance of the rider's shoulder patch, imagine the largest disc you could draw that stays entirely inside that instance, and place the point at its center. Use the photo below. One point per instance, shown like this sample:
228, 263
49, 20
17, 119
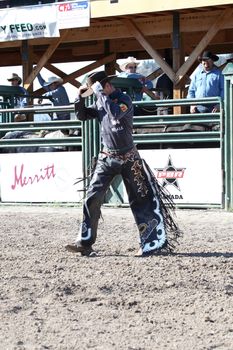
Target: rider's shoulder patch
123, 107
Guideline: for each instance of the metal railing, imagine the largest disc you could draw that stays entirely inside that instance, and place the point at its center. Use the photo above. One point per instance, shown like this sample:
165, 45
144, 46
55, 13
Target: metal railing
228, 136
38, 126
204, 119
89, 138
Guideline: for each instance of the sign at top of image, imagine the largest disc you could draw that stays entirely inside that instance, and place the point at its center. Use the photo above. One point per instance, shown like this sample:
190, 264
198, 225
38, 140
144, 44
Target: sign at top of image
73, 14
32, 22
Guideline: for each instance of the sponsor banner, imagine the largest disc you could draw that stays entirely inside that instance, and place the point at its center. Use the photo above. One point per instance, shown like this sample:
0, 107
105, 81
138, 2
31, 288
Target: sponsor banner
31, 22
28, 23
41, 177
191, 176
73, 14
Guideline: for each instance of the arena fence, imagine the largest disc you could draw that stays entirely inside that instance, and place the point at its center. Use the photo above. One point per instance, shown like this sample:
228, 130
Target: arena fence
228, 137
156, 131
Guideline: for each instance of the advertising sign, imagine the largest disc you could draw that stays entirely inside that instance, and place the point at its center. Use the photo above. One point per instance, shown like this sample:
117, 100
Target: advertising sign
41, 177
191, 176
31, 22
73, 14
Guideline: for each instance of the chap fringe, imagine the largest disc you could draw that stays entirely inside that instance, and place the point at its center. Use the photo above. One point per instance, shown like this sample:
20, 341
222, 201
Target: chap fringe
167, 207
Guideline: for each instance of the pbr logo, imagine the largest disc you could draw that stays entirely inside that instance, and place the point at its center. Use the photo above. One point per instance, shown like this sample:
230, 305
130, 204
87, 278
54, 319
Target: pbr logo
170, 174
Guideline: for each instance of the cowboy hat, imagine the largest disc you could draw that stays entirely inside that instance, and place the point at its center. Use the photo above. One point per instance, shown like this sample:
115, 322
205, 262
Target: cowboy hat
101, 77
15, 76
206, 55
130, 60
52, 80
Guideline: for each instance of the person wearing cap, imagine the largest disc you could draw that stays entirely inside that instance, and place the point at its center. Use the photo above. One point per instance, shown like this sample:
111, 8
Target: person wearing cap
57, 93
19, 101
129, 70
119, 156
208, 81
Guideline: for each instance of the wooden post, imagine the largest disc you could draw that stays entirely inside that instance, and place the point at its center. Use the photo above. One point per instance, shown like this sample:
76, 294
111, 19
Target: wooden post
27, 65
176, 55
110, 66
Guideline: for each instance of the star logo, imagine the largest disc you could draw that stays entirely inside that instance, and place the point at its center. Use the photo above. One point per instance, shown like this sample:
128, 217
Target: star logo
170, 174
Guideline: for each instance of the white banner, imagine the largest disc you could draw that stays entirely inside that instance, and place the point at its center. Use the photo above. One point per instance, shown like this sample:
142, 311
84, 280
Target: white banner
192, 176
41, 177
28, 23
31, 22
73, 14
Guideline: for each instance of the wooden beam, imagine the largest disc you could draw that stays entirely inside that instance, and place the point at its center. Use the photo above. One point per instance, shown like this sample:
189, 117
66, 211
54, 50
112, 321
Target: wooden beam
43, 60
221, 43
216, 26
57, 72
88, 68
150, 25
91, 49
177, 58
153, 53
27, 65
155, 74
117, 67
26, 56
158, 42
93, 66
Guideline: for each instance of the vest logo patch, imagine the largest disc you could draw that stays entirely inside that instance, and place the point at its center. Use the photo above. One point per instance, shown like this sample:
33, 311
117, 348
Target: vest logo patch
123, 107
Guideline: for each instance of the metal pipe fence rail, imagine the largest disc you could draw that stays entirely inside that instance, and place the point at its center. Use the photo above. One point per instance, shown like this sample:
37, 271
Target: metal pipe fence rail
148, 120
228, 136
34, 127
178, 120
89, 140
204, 136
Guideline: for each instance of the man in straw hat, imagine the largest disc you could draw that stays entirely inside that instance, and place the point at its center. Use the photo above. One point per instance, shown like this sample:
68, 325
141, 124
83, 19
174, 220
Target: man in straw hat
208, 81
57, 93
129, 70
119, 156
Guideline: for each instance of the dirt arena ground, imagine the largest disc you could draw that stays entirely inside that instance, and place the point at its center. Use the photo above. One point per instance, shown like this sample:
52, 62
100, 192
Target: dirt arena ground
52, 299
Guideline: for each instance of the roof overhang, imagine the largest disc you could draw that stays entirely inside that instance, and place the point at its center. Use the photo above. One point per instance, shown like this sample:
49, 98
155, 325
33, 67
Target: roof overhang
106, 8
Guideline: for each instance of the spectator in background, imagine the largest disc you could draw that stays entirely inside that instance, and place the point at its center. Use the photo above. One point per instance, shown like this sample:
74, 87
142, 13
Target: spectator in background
208, 81
129, 68
164, 86
57, 93
19, 101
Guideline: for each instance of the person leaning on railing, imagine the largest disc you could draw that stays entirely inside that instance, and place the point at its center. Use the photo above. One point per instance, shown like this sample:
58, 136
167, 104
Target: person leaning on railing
57, 93
19, 101
129, 70
208, 81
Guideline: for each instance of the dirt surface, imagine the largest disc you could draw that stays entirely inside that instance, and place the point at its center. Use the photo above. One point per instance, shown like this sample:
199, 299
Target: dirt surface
52, 299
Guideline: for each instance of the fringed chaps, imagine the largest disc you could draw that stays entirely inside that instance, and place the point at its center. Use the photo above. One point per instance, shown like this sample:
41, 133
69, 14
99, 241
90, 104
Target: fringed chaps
150, 203
166, 232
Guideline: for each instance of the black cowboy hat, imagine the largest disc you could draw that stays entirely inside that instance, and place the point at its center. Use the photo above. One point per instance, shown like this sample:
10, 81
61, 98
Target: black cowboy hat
101, 77
206, 55
14, 76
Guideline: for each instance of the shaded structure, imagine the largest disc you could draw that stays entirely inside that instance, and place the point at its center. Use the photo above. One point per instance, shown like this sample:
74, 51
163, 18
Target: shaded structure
166, 32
